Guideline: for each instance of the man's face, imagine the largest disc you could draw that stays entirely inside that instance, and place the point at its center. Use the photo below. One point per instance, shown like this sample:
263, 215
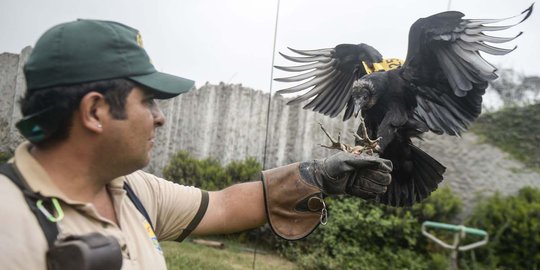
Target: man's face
130, 140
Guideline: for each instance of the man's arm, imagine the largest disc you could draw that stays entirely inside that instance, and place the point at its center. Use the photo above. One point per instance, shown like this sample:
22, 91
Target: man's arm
290, 197
236, 208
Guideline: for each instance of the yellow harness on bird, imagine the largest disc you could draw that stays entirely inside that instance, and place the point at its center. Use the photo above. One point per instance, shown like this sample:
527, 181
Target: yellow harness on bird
384, 65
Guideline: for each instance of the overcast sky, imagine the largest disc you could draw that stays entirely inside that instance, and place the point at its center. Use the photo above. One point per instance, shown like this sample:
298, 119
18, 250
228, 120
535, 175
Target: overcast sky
231, 40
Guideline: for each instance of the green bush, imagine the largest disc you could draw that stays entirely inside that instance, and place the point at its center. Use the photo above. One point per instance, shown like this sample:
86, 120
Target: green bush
362, 235
208, 173
513, 223
441, 206
243, 171
359, 235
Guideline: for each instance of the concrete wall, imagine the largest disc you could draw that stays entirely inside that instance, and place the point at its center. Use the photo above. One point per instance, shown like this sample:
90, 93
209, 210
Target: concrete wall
229, 122
12, 87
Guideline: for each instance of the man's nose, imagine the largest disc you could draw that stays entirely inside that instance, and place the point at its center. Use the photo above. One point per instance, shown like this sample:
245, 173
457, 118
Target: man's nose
159, 118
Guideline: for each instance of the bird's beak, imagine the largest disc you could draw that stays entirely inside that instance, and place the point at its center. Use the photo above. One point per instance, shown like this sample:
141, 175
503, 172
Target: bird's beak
357, 111
358, 104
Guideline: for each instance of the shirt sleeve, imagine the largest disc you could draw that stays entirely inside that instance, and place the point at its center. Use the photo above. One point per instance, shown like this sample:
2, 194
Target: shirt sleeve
175, 210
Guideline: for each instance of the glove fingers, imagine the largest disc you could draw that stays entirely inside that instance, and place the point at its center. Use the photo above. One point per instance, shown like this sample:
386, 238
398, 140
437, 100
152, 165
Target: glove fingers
361, 175
373, 182
369, 186
372, 162
376, 176
343, 162
366, 161
385, 165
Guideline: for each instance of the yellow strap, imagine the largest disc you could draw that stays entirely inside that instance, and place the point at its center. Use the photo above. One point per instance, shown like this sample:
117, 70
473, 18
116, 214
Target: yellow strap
384, 65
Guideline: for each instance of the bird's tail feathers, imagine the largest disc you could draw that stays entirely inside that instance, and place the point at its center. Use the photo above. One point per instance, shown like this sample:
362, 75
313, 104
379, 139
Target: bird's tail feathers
427, 174
423, 176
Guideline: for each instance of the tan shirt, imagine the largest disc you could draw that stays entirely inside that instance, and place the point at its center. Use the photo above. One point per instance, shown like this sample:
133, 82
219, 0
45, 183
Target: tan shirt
171, 208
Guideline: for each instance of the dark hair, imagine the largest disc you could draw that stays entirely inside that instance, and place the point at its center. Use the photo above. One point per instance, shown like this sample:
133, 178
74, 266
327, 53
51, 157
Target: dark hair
64, 100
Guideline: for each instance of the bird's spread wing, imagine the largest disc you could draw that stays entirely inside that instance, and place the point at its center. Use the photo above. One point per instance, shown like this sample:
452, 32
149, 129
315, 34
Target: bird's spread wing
331, 73
444, 67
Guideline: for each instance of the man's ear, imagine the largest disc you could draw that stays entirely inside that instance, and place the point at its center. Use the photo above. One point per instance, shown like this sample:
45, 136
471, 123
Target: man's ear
93, 111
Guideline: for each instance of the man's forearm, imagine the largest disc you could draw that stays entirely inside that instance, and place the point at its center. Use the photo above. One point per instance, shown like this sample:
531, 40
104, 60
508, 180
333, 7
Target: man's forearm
236, 208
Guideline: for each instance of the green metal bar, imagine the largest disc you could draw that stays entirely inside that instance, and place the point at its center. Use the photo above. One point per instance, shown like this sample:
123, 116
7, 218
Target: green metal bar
454, 228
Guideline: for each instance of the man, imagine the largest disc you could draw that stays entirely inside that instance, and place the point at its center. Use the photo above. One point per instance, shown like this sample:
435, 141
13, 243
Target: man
90, 118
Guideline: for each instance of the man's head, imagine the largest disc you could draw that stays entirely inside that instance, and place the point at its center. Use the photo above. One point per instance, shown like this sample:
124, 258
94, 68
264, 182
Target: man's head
48, 112
73, 59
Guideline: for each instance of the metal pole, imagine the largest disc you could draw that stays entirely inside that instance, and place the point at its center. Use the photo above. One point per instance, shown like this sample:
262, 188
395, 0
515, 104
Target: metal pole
268, 117
454, 256
270, 89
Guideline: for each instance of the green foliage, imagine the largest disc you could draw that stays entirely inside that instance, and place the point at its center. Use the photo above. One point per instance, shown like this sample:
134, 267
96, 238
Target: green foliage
358, 236
439, 261
362, 235
513, 223
442, 206
208, 173
355, 257
515, 130
243, 171
5, 156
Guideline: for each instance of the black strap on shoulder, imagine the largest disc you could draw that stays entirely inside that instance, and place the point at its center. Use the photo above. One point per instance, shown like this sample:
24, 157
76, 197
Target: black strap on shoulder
138, 204
49, 228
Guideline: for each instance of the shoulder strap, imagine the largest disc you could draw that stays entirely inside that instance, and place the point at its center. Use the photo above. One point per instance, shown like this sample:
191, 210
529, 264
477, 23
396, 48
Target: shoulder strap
138, 204
49, 228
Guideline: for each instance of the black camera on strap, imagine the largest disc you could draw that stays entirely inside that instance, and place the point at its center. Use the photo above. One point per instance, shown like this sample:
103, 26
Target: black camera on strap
93, 251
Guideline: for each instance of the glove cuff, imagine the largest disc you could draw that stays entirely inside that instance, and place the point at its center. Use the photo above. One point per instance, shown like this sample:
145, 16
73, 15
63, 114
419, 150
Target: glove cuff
294, 207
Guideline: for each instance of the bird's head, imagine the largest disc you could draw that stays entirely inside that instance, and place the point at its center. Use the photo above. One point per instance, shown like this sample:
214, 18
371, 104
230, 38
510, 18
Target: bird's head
367, 90
362, 92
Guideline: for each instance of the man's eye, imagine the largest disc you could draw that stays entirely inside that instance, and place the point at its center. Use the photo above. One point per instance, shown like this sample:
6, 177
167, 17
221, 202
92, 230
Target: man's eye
149, 101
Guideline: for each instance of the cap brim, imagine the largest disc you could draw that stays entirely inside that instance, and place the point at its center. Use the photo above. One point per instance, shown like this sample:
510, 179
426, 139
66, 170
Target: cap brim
164, 85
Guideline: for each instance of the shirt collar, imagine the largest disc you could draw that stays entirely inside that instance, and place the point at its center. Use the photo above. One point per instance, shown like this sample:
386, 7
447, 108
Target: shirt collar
38, 179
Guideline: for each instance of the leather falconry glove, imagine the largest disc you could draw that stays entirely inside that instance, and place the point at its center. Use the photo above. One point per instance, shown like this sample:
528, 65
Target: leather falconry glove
294, 193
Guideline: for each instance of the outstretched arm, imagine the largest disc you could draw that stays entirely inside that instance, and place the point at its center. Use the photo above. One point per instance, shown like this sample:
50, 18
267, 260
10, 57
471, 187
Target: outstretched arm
236, 208
290, 197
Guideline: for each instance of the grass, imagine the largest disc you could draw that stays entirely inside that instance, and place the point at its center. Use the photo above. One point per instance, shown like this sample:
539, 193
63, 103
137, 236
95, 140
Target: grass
187, 255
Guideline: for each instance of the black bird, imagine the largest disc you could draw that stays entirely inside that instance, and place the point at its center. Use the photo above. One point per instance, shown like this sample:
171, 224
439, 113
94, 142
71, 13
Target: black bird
438, 88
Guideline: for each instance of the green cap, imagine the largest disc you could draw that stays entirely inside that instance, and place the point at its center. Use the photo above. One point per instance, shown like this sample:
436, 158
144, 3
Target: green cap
90, 50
